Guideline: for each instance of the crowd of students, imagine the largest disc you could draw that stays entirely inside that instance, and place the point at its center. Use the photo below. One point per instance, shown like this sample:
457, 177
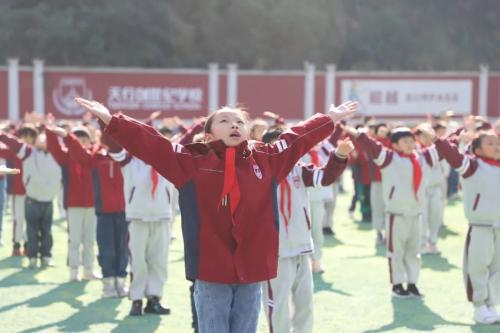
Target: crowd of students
256, 199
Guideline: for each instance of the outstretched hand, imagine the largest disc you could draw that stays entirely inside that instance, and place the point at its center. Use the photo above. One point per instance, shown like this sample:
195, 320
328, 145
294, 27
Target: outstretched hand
96, 108
8, 171
343, 111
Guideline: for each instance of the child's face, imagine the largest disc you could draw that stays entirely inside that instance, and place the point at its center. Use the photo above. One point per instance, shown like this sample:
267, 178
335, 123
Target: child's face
257, 132
28, 139
382, 132
490, 147
441, 132
230, 127
405, 145
84, 141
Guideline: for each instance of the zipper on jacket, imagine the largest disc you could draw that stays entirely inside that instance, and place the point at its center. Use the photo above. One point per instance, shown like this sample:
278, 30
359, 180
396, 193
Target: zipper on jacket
307, 219
131, 194
392, 192
476, 202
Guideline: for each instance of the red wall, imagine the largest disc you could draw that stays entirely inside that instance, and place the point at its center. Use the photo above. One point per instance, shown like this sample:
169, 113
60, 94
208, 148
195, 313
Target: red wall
4, 105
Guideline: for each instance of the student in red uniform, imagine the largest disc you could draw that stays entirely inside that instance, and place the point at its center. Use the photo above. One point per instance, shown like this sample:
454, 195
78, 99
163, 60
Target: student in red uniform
79, 197
110, 210
227, 194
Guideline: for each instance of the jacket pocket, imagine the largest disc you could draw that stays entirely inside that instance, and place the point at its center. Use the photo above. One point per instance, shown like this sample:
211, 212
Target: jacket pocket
307, 219
476, 202
392, 192
131, 196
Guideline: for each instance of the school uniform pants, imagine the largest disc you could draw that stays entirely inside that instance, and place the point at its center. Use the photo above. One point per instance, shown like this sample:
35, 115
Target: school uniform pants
377, 206
82, 235
432, 214
39, 227
481, 266
403, 247
148, 245
317, 215
288, 298
112, 231
19, 218
330, 207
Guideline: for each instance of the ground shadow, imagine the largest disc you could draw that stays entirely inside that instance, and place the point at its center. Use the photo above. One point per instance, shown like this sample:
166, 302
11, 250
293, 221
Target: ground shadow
23, 276
332, 241
321, 285
98, 312
481, 328
11, 262
415, 315
437, 263
445, 232
63, 293
146, 323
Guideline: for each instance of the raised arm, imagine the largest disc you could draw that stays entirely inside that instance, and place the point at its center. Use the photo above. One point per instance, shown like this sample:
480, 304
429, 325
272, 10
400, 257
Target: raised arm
381, 155
301, 138
76, 151
465, 165
16, 146
331, 171
59, 153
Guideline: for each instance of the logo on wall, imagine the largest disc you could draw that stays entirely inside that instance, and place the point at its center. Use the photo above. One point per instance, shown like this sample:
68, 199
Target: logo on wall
63, 96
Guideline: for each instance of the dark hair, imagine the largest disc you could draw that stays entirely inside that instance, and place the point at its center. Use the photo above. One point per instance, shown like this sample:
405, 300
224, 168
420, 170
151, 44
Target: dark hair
272, 133
400, 133
378, 126
439, 125
210, 119
81, 133
27, 130
476, 143
164, 130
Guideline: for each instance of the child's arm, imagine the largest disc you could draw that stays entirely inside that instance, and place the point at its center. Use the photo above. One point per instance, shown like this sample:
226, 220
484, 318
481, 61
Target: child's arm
76, 151
54, 147
172, 161
301, 138
331, 171
336, 134
464, 165
187, 137
380, 155
16, 146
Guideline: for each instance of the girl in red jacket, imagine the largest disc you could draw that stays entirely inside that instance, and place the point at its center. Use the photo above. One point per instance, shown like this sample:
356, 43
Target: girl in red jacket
227, 195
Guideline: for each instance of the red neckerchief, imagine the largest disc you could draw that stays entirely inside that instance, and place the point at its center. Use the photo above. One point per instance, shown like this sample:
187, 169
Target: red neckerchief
313, 153
154, 180
231, 188
417, 172
285, 191
490, 161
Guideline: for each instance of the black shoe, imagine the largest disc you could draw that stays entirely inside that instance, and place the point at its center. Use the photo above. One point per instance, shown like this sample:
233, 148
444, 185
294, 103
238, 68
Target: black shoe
327, 231
399, 291
154, 306
413, 291
136, 308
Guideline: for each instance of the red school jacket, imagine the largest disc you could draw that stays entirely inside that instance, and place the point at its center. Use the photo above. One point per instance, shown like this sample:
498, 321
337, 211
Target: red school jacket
106, 177
216, 250
77, 176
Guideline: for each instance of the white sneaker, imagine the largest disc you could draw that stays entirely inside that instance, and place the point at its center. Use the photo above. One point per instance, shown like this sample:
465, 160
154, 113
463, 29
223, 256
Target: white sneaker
121, 287
73, 275
483, 315
108, 287
317, 268
47, 262
425, 249
89, 274
494, 312
433, 249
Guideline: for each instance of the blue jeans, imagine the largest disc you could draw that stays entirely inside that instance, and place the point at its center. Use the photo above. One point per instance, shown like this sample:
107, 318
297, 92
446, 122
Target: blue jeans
227, 308
111, 237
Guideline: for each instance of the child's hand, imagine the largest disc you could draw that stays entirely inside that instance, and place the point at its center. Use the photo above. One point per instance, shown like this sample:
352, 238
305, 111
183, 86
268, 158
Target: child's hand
427, 131
345, 147
8, 171
154, 115
96, 108
343, 111
59, 131
350, 131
